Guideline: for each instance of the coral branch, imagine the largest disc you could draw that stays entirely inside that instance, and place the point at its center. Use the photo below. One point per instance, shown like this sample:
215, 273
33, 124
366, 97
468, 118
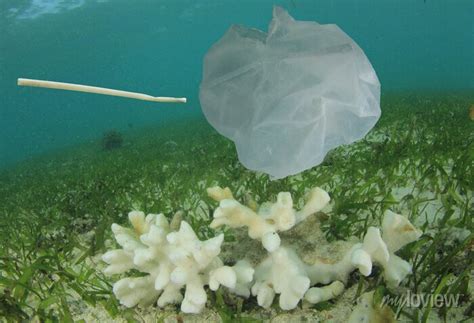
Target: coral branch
269, 219
174, 258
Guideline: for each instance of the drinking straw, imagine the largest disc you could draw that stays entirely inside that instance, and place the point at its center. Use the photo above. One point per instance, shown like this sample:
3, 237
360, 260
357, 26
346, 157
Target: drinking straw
97, 90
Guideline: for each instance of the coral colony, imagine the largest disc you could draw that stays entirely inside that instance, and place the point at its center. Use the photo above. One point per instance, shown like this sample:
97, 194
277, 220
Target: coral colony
174, 259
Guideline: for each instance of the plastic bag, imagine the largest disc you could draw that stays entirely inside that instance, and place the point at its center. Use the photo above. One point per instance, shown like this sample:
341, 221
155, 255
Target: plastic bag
288, 97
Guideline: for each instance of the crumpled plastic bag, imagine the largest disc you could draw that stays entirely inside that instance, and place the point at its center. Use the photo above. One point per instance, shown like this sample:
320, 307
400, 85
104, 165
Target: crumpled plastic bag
288, 96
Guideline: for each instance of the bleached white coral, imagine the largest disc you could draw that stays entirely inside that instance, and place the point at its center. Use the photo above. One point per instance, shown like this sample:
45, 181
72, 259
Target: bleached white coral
237, 278
284, 273
172, 260
269, 219
133, 291
380, 248
320, 294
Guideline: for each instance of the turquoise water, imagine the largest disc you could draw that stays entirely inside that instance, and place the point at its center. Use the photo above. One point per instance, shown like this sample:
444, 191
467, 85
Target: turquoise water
157, 47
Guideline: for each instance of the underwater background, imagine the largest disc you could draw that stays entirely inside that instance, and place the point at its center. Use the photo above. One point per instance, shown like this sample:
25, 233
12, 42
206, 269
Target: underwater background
73, 164
157, 47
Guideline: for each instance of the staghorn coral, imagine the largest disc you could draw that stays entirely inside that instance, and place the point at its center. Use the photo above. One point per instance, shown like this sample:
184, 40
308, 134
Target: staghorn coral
174, 258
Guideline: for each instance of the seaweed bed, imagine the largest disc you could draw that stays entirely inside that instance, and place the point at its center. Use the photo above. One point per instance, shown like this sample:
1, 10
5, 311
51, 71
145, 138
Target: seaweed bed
56, 211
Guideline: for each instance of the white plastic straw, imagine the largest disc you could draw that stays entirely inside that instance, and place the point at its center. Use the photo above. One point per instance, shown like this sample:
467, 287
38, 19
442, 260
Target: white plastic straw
97, 90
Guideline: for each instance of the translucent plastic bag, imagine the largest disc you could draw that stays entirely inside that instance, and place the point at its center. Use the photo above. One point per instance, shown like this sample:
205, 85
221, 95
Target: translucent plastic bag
288, 97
